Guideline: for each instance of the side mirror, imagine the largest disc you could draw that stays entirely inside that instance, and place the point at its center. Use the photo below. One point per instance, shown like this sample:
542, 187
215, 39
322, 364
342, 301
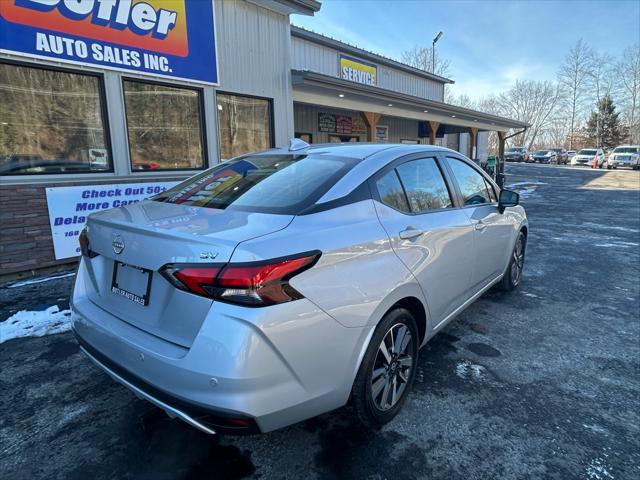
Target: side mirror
508, 198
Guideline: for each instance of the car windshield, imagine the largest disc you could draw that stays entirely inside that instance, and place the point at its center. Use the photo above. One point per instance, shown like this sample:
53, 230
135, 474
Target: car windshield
284, 184
587, 152
626, 150
541, 152
515, 150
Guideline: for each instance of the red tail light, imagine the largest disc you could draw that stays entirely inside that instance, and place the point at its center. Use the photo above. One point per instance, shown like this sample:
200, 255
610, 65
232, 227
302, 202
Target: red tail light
254, 284
85, 248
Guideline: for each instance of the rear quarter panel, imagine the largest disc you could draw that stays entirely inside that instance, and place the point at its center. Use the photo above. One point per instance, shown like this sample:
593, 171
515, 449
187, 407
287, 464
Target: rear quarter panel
358, 277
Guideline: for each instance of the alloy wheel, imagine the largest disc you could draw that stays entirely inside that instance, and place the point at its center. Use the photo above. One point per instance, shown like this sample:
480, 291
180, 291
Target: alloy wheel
518, 261
392, 367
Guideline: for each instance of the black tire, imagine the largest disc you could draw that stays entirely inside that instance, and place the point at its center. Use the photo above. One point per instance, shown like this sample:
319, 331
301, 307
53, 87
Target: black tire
366, 404
513, 275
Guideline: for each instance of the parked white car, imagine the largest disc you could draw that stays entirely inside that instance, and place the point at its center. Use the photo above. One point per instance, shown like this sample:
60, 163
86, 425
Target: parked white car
587, 156
625, 156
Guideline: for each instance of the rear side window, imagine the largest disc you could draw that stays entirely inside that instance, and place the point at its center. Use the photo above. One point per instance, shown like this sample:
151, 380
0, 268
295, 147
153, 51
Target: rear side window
391, 192
424, 184
284, 184
471, 182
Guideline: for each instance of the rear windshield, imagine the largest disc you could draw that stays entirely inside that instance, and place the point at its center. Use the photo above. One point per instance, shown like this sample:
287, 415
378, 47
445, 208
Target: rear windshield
626, 150
587, 152
284, 184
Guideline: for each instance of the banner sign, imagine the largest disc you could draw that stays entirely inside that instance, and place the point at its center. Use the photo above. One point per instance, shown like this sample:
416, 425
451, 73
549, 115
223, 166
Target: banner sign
382, 133
341, 124
167, 38
358, 71
69, 207
326, 122
358, 127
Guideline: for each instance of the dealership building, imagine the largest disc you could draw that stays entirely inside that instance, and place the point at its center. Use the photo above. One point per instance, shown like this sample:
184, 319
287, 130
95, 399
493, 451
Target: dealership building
104, 103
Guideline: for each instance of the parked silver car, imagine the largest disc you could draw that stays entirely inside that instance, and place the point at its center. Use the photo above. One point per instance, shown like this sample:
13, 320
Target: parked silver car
283, 284
589, 157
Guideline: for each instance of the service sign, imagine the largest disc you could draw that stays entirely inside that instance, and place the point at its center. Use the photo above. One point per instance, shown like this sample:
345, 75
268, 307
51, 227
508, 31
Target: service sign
168, 38
69, 207
358, 71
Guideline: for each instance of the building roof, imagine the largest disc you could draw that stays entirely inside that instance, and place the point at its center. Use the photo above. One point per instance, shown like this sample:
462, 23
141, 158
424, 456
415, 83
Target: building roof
300, 32
443, 112
301, 7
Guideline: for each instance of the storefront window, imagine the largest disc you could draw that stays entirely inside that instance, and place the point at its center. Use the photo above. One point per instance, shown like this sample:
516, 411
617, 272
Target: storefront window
164, 126
244, 123
51, 122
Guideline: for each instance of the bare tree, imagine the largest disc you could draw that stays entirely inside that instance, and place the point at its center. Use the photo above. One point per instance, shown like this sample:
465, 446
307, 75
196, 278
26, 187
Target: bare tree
422, 58
600, 79
628, 73
530, 101
574, 76
462, 100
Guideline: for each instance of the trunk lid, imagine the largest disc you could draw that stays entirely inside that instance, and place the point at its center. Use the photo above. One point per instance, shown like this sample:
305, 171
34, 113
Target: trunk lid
146, 236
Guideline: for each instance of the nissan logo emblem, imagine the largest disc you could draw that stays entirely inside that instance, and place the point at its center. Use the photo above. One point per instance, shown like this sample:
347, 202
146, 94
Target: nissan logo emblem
117, 243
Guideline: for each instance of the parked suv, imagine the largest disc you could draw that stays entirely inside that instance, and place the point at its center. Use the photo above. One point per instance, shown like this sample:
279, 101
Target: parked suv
562, 156
589, 156
625, 156
516, 154
279, 285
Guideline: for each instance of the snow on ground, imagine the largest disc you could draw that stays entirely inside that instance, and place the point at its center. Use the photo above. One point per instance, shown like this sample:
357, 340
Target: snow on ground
471, 371
26, 323
524, 184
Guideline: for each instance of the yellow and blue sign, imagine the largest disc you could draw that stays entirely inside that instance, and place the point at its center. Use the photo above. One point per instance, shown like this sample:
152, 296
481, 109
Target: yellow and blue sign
359, 71
169, 38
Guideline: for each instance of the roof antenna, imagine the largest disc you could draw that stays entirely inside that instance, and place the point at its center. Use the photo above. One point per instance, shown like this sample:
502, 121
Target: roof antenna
297, 144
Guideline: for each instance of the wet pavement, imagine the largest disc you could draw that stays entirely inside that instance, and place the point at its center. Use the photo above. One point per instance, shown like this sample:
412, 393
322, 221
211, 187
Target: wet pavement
543, 382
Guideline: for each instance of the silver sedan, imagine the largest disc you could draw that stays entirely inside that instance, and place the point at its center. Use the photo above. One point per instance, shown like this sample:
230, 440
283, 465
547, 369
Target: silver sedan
281, 285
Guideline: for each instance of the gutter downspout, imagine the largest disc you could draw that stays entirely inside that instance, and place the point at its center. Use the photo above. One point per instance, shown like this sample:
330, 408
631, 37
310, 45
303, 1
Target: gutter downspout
500, 164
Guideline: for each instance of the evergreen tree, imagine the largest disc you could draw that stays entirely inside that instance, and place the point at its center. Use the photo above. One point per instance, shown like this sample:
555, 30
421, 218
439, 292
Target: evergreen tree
604, 128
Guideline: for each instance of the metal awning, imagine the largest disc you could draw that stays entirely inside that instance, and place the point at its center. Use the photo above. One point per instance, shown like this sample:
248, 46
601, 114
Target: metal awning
318, 89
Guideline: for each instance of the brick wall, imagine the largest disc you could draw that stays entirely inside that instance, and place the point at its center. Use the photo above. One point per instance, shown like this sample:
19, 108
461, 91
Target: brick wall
25, 235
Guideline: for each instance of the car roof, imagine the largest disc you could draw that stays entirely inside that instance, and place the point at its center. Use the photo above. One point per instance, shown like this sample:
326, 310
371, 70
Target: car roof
357, 150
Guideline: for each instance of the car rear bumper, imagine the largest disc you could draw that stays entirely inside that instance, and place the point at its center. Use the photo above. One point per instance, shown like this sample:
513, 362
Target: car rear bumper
248, 370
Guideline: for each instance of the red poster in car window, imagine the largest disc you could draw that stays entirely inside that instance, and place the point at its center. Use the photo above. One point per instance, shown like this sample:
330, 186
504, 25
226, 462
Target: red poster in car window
344, 124
214, 182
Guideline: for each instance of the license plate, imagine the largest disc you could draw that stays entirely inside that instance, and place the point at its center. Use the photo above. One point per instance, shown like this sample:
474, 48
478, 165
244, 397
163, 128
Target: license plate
132, 283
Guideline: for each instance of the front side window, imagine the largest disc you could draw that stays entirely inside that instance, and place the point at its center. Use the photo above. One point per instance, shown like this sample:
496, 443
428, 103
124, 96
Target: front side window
244, 124
51, 122
425, 185
471, 182
164, 125
281, 184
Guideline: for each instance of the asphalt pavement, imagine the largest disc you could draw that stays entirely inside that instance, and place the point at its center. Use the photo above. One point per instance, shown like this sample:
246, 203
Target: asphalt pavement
543, 382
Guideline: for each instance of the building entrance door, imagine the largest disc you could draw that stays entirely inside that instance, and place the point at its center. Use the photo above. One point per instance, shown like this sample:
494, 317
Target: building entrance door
343, 138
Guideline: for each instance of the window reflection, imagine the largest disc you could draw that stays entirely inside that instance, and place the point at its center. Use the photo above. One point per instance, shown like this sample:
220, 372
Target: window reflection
244, 124
164, 127
51, 122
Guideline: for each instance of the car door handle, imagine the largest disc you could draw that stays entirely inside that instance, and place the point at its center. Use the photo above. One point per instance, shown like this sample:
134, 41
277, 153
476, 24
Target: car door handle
410, 232
480, 226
